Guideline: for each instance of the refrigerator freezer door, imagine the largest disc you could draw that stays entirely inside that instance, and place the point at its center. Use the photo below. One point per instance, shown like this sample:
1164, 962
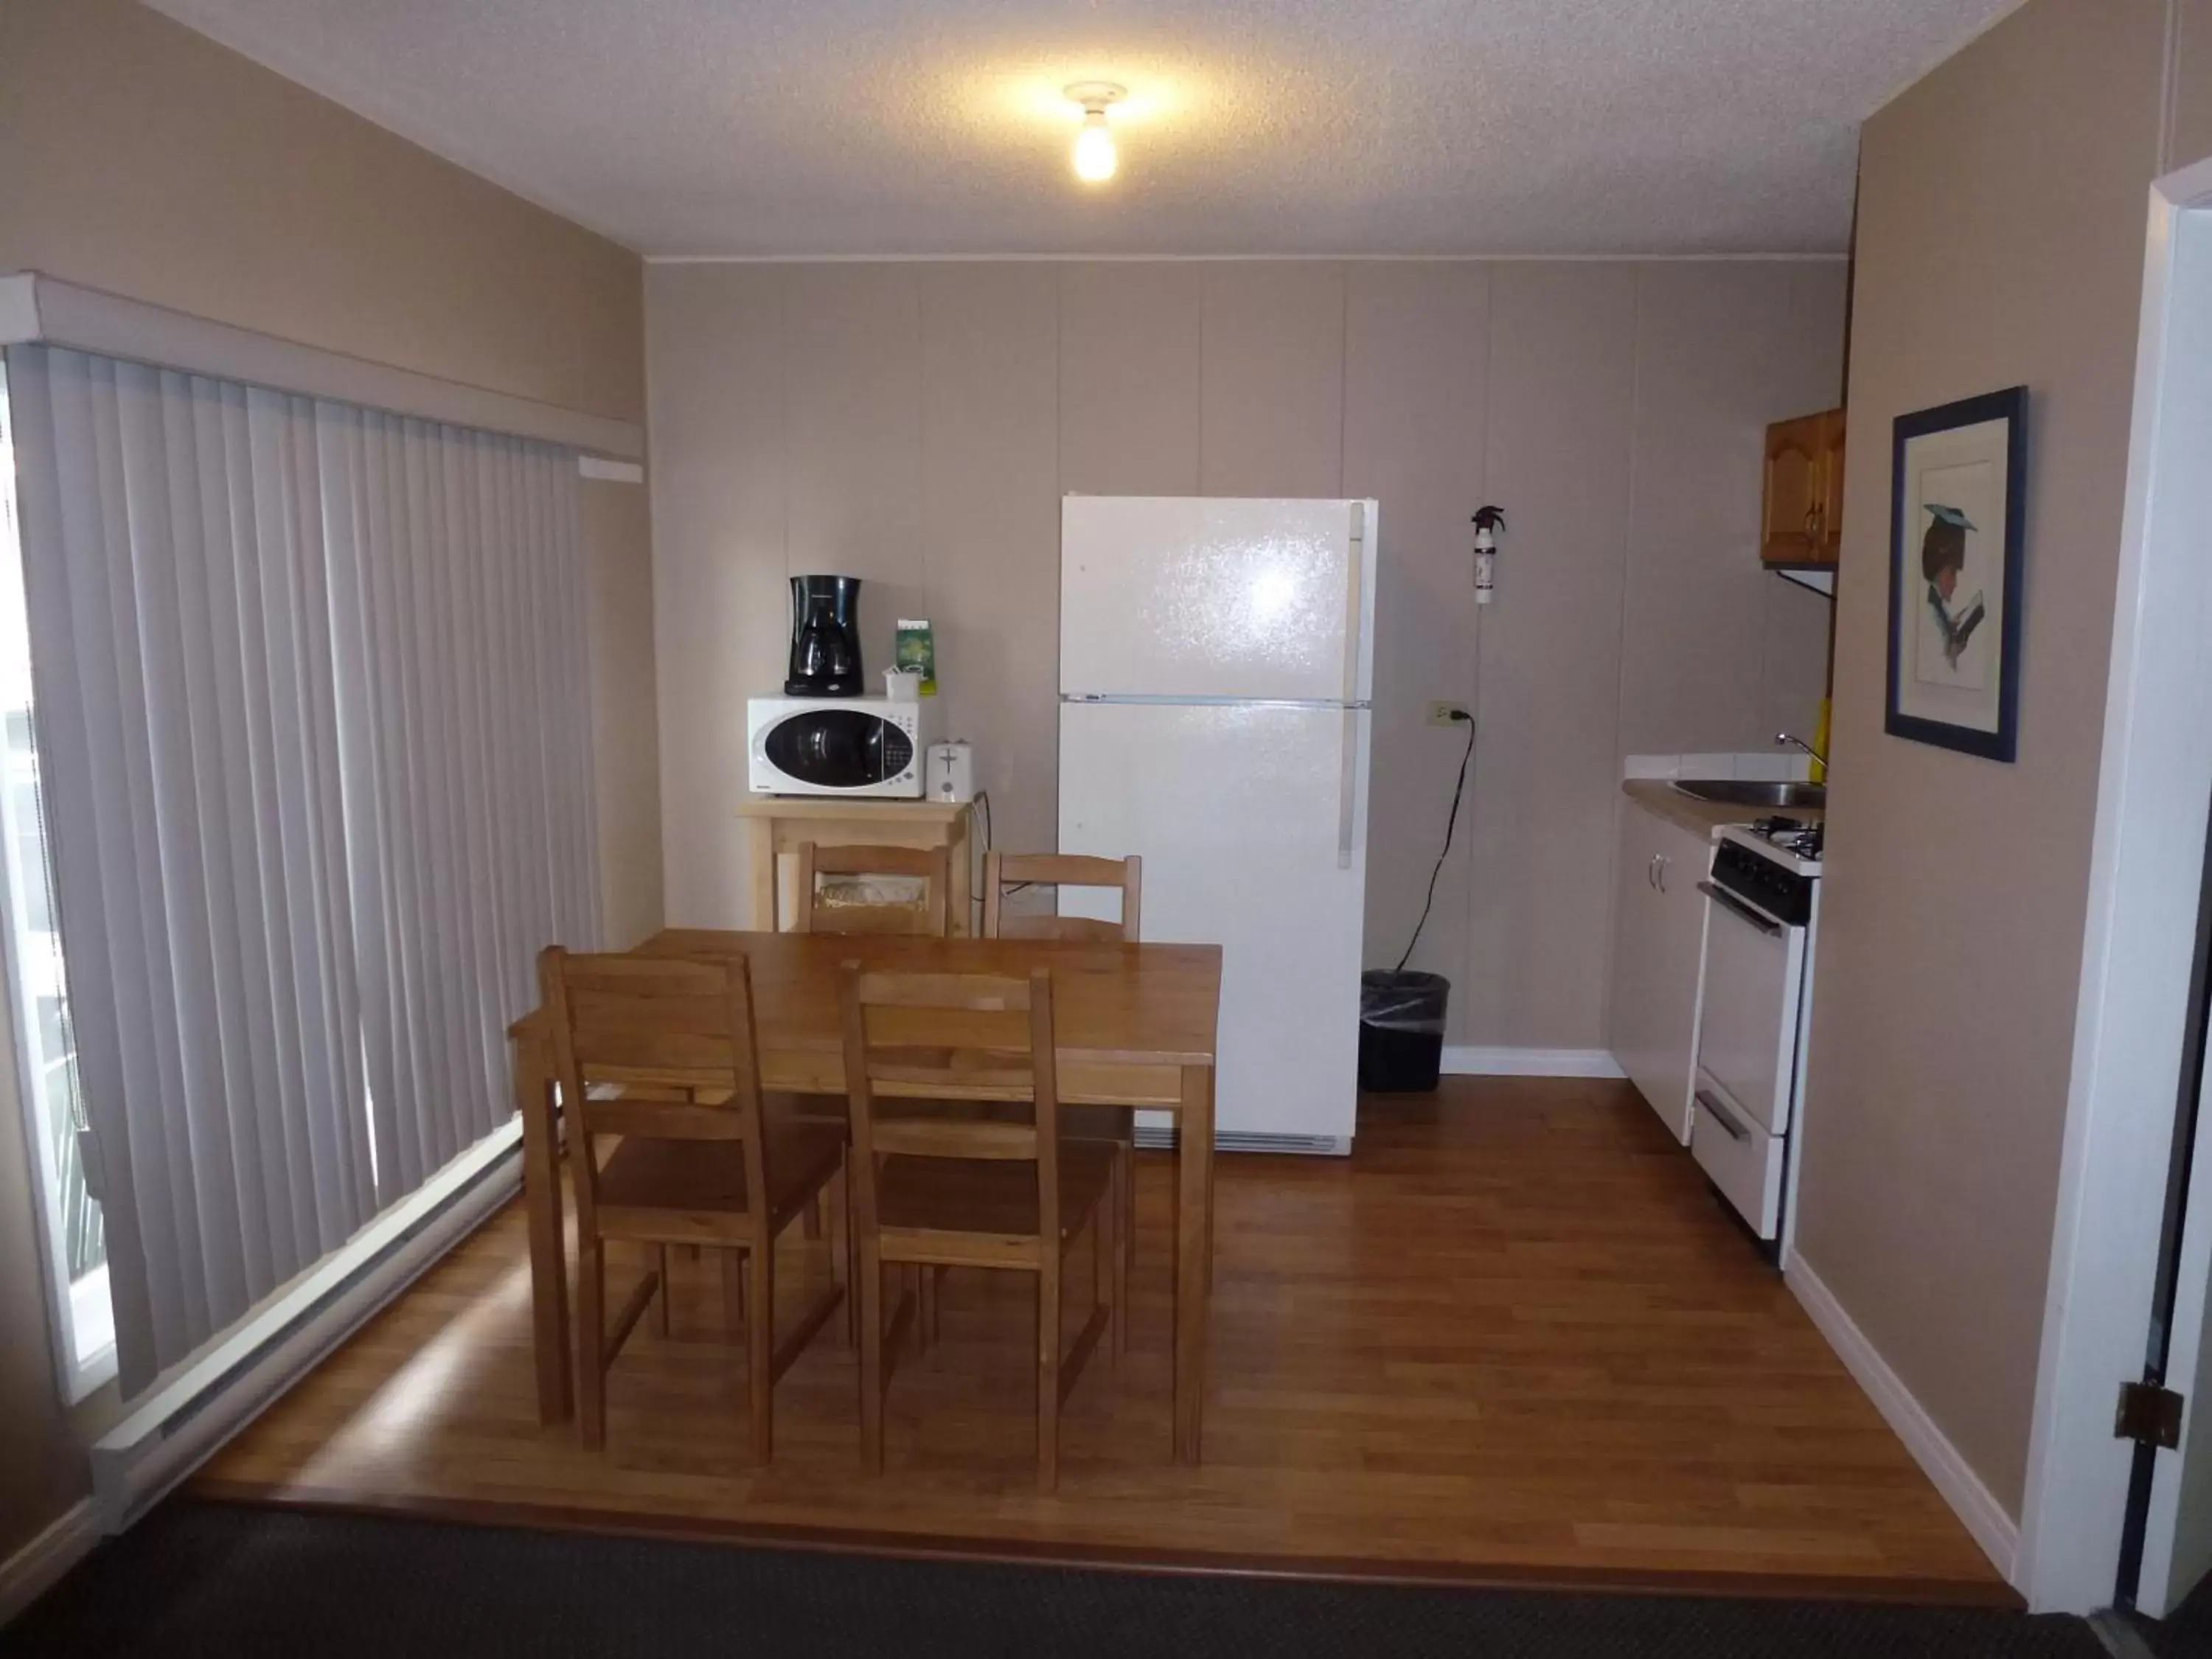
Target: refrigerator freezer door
1234, 810
1186, 596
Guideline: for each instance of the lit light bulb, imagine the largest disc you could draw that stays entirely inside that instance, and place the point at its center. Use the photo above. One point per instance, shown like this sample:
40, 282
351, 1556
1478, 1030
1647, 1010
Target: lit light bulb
1094, 156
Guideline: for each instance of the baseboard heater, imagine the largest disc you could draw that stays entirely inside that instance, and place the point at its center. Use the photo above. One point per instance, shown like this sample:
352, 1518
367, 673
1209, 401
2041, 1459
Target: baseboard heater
186, 1420
1158, 1138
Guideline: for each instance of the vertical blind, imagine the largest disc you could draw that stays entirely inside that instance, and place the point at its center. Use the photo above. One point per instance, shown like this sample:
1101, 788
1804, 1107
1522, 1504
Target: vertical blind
313, 732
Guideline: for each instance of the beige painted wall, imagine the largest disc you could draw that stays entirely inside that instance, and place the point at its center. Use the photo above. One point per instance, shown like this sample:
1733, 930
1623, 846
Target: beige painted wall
138, 157
915, 425
617, 536
2190, 138
1956, 888
144, 159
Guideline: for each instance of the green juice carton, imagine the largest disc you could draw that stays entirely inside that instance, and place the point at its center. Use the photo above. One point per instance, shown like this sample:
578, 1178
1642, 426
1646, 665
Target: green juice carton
916, 649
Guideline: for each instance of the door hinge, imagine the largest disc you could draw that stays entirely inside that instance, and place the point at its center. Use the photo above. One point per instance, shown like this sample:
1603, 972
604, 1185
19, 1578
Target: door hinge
2148, 1414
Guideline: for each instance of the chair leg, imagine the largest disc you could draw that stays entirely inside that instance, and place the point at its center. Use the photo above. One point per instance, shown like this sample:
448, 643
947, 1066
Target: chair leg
871, 1277
812, 1217
925, 1320
1047, 1425
760, 1348
662, 1323
1110, 1273
1128, 1185
590, 1343
734, 1292
841, 1255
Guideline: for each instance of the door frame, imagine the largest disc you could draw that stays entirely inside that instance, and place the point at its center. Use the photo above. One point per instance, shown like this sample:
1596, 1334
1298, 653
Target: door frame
2147, 870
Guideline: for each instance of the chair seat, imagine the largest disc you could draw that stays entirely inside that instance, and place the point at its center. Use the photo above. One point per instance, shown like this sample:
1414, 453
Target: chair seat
709, 1176
986, 1195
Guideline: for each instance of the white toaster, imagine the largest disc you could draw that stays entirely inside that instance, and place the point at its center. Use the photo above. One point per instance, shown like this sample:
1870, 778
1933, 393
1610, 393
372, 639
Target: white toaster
951, 772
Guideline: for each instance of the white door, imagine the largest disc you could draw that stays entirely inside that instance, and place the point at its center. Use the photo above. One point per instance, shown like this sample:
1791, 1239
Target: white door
1185, 596
1251, 842
2178, 1535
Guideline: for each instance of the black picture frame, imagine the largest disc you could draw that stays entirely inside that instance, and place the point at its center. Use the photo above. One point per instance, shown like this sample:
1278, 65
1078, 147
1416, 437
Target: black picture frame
2009, 406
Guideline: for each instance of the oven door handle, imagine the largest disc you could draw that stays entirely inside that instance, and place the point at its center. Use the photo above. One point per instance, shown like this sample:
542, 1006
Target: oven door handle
1722, 1115
1728, 900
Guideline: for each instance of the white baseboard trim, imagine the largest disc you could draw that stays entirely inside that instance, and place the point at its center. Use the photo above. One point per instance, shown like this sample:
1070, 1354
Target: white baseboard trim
32, 1571
186, 1419
1996, 1532
1461, 1062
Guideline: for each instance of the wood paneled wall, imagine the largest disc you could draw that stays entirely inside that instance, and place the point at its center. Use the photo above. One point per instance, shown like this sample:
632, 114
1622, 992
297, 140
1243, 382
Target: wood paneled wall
915, 424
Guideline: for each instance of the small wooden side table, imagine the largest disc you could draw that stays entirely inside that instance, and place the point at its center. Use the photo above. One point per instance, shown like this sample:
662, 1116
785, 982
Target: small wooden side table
776, 824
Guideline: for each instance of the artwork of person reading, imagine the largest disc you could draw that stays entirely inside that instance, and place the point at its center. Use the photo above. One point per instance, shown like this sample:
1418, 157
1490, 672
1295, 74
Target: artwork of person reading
1942, 558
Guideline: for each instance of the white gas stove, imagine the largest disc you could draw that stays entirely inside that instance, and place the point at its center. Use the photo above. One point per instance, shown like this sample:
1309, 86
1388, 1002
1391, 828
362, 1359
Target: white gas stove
1754, 1016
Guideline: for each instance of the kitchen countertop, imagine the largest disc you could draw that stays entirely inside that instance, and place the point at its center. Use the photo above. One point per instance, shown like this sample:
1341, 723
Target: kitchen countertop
1659, 795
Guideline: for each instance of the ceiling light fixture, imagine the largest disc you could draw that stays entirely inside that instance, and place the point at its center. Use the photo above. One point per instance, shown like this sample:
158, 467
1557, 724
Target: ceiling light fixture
1094, 156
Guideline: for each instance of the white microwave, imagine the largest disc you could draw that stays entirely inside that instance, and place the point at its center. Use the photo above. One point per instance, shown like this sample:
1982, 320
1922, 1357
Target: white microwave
835, 746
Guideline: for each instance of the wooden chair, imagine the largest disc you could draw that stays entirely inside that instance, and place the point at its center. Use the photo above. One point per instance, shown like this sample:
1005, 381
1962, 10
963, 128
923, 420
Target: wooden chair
938, 1191
661, 1052
1002, 870
933, 864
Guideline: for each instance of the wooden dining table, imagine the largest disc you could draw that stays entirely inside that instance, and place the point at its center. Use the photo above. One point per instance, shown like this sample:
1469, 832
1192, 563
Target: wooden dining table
1135, 1025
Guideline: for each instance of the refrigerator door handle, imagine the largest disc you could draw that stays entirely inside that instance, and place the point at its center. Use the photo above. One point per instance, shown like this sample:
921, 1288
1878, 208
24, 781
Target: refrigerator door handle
1355, 559
1347, 787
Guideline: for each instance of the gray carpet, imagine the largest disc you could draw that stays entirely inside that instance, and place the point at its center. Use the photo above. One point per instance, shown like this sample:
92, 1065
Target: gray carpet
213, 1579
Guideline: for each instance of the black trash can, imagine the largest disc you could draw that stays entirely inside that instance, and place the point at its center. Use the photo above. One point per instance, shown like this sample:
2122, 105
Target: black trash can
1402, 1030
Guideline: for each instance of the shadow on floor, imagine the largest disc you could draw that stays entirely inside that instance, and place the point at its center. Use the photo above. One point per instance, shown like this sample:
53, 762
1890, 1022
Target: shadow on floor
200, 1579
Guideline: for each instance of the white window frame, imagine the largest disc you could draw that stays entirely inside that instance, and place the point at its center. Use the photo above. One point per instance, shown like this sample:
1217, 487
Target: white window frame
76, 1378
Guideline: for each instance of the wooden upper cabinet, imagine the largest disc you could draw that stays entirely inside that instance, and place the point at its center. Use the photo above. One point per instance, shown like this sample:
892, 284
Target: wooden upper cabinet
1831, 486
1803, 519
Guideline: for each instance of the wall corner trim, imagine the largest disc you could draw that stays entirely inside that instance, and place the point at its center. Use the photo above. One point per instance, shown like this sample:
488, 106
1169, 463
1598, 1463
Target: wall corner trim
1464, 1061
39, 309
1977, 1508
39, 1565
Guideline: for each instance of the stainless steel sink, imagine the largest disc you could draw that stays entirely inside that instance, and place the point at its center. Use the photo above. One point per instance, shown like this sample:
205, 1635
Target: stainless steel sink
1742, 792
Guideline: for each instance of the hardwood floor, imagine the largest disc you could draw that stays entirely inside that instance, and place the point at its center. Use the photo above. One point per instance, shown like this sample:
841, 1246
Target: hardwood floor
1514, 1337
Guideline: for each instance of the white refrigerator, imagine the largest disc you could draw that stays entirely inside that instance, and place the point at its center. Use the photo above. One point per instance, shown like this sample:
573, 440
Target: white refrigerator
1216, 661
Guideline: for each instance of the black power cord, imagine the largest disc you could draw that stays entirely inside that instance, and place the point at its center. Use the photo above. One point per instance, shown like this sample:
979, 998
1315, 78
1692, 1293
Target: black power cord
1451, 823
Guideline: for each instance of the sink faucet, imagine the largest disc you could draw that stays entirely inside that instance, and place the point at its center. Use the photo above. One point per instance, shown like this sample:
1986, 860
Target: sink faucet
1785, 740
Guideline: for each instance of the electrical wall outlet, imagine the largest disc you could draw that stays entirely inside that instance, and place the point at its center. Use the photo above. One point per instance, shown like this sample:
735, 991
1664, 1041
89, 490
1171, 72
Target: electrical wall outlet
1446, 713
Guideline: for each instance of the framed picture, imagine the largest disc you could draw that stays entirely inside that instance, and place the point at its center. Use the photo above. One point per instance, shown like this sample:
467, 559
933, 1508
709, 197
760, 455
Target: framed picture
1957, 488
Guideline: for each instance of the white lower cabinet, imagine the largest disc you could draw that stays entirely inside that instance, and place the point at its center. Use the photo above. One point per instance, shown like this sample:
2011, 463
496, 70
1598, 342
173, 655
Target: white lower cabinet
1658, 951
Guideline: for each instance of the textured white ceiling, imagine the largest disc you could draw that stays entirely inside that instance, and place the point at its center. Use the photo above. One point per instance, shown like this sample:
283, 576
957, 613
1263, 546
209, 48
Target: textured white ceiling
791, 127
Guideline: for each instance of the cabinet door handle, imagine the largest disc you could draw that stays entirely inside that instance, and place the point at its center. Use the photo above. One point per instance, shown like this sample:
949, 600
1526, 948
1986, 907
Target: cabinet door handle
1663, 861
1651, 873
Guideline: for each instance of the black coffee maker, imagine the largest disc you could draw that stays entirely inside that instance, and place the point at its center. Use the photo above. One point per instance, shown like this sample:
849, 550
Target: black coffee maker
825, 638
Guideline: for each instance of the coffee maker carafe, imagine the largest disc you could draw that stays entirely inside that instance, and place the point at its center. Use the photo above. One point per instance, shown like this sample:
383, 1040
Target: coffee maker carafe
825, 637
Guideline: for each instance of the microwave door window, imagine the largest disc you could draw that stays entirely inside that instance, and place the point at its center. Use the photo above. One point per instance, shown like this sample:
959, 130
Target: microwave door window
838, 749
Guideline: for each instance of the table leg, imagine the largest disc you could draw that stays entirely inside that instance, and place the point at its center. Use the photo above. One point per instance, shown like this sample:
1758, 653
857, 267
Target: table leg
960, 900
1192, 1255
541, 1198
766, 877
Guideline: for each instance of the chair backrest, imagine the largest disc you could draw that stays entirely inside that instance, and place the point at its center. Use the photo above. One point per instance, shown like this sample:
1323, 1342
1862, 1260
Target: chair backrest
659, 1048
950, 1036
933, 864
1003, 870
